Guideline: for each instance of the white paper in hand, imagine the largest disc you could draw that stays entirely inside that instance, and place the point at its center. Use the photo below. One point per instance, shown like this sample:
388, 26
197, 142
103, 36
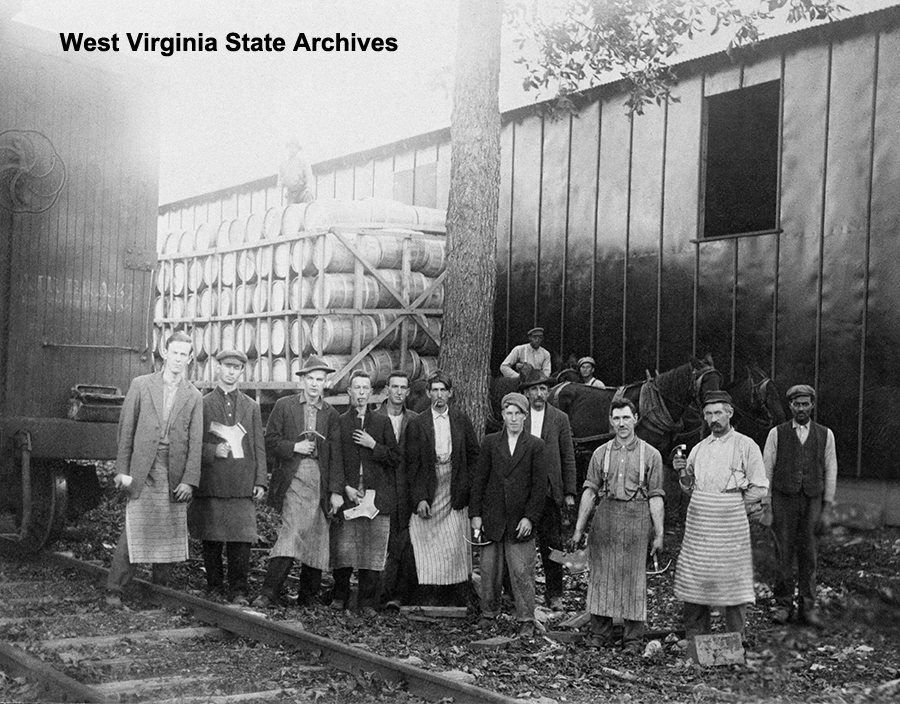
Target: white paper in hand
365, 509
233, 435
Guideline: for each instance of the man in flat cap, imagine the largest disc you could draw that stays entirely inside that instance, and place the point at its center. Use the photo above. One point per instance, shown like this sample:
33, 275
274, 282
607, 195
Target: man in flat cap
232, 475
801, 463
303, 436
527, 356
626, 475
726, 480
586, 366
552, 426
509, 490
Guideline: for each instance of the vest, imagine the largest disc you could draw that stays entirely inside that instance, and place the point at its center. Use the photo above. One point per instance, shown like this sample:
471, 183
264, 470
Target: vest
800, 467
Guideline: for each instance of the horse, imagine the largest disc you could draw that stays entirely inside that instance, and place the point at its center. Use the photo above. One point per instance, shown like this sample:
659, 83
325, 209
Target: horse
757, 403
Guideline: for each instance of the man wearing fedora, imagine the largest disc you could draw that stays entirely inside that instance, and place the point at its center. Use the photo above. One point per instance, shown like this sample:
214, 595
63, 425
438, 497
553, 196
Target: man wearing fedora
529, 355
801, 463
552, 426
726, 480
586, 366
232, 476
509, 489
303, 436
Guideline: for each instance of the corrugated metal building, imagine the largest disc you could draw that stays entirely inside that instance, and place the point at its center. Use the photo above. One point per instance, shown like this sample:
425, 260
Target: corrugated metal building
756, 219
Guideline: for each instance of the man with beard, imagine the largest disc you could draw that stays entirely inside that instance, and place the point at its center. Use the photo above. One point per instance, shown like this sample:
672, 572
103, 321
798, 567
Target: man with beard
726, 479
801, 463
552, 426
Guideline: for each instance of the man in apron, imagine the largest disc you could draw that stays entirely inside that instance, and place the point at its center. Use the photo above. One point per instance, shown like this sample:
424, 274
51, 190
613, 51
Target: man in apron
726, 479
626, 474
158, 467
303, 436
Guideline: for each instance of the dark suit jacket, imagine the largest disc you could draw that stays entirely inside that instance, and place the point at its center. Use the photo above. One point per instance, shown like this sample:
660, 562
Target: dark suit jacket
507, 488
141, 429
421, 458
404, 506
284, 429
379, 464
559, 456
227, 477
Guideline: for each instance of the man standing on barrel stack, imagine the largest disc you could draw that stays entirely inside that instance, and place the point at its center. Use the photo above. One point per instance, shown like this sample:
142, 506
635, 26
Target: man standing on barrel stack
726, 480
801, 463
303, 435
552, 426
626, 475
232, 476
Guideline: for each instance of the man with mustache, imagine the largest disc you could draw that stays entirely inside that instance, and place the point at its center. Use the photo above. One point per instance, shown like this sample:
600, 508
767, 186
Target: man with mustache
726, 480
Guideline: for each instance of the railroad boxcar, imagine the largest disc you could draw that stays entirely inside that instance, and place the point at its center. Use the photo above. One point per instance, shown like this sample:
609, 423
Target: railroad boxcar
79, 142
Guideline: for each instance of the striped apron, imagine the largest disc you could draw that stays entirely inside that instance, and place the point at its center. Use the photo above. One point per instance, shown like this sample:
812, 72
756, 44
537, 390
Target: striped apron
155, 525
439, 543
304, 528
715, 566
617, 546
360, 543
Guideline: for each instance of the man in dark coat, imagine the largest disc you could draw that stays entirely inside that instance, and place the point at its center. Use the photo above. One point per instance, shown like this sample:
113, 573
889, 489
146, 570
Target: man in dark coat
303, 436
232, 476
441, 452
158, 467
359, 539
399, 582
509, 491
801, 463
552, 426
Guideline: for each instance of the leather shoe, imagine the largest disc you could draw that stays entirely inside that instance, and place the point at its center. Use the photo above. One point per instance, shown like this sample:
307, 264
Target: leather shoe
812, 618
782, 615
526, 630
392, 605
261, 602
239, 599
337, 605
556, 603
368, 612
633, 648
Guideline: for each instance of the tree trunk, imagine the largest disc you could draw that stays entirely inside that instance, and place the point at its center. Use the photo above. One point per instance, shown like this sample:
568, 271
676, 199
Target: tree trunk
468, 326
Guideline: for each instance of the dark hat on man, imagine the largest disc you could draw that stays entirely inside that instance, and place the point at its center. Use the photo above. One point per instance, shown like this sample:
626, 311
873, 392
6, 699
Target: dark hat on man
517, 400
587, 360
801, 390
231, 354
538, 331
717, 397
314, 364
533, 378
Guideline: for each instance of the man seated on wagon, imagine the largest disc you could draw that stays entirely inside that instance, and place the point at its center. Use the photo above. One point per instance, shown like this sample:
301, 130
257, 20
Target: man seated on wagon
586, 367
527, 356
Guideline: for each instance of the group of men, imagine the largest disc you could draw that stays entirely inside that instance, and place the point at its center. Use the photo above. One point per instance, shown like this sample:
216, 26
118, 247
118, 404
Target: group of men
400, 496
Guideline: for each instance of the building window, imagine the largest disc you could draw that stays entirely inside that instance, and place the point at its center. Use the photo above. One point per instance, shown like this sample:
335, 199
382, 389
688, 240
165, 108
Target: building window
741, 178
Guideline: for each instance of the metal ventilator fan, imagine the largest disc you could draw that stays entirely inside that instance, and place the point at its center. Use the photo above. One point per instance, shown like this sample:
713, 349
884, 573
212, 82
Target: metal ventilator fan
32, 173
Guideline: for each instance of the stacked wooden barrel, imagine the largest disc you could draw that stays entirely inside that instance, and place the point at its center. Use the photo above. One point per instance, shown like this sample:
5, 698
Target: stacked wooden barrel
357, 282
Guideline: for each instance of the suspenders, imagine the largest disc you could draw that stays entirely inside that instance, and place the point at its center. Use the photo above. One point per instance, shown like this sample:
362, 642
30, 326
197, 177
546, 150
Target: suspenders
606, 462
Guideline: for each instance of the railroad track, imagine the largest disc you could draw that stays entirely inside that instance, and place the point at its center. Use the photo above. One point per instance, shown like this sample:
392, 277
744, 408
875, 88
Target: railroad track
192, 650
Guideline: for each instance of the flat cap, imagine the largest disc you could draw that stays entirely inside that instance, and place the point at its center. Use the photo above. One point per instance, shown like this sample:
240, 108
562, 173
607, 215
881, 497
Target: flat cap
533, 378
314, 364
538, 331
231, 354
587, 360
801, 390
717, 397
514, 399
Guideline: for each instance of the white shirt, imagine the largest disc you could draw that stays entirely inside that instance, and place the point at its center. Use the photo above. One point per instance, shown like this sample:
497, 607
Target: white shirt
711, 461
538, 358
537, 421
512, 440
770, 454
397, 422
443, 445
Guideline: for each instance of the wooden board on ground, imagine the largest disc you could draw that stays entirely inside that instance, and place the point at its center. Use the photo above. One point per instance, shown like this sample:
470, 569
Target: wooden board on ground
565, 636
718, 649
576, 621
495, 643
435, 611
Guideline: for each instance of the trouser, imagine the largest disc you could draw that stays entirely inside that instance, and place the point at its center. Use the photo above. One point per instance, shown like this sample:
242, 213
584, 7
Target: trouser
794, 521
277, 572
697, 619
238, 565
121, 569
400, 579
519, 560
368, 586
603, 626
549, 537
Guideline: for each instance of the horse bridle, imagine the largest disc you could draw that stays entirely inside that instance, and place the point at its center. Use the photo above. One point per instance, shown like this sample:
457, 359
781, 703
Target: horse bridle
699, 376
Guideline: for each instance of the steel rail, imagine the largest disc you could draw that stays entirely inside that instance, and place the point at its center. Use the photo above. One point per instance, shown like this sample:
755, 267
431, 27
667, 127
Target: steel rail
419, 682
20, 664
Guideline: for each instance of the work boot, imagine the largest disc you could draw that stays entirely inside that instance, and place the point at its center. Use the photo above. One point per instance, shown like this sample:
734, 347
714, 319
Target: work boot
810, 616
276, 573
526, 630
556, 603
782, 615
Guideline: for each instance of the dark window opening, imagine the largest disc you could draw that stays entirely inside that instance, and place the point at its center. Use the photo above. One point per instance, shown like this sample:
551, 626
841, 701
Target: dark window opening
742, 161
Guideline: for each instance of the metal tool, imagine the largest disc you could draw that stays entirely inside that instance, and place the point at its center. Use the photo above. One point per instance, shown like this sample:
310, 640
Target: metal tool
656, 569
477, 539
576, 562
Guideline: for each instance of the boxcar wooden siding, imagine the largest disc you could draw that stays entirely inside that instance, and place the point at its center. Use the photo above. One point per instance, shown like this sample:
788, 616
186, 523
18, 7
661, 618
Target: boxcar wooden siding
601, 218
66, 281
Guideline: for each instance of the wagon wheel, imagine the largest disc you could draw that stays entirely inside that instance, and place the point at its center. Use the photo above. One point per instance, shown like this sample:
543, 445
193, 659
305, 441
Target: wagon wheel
44, 521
